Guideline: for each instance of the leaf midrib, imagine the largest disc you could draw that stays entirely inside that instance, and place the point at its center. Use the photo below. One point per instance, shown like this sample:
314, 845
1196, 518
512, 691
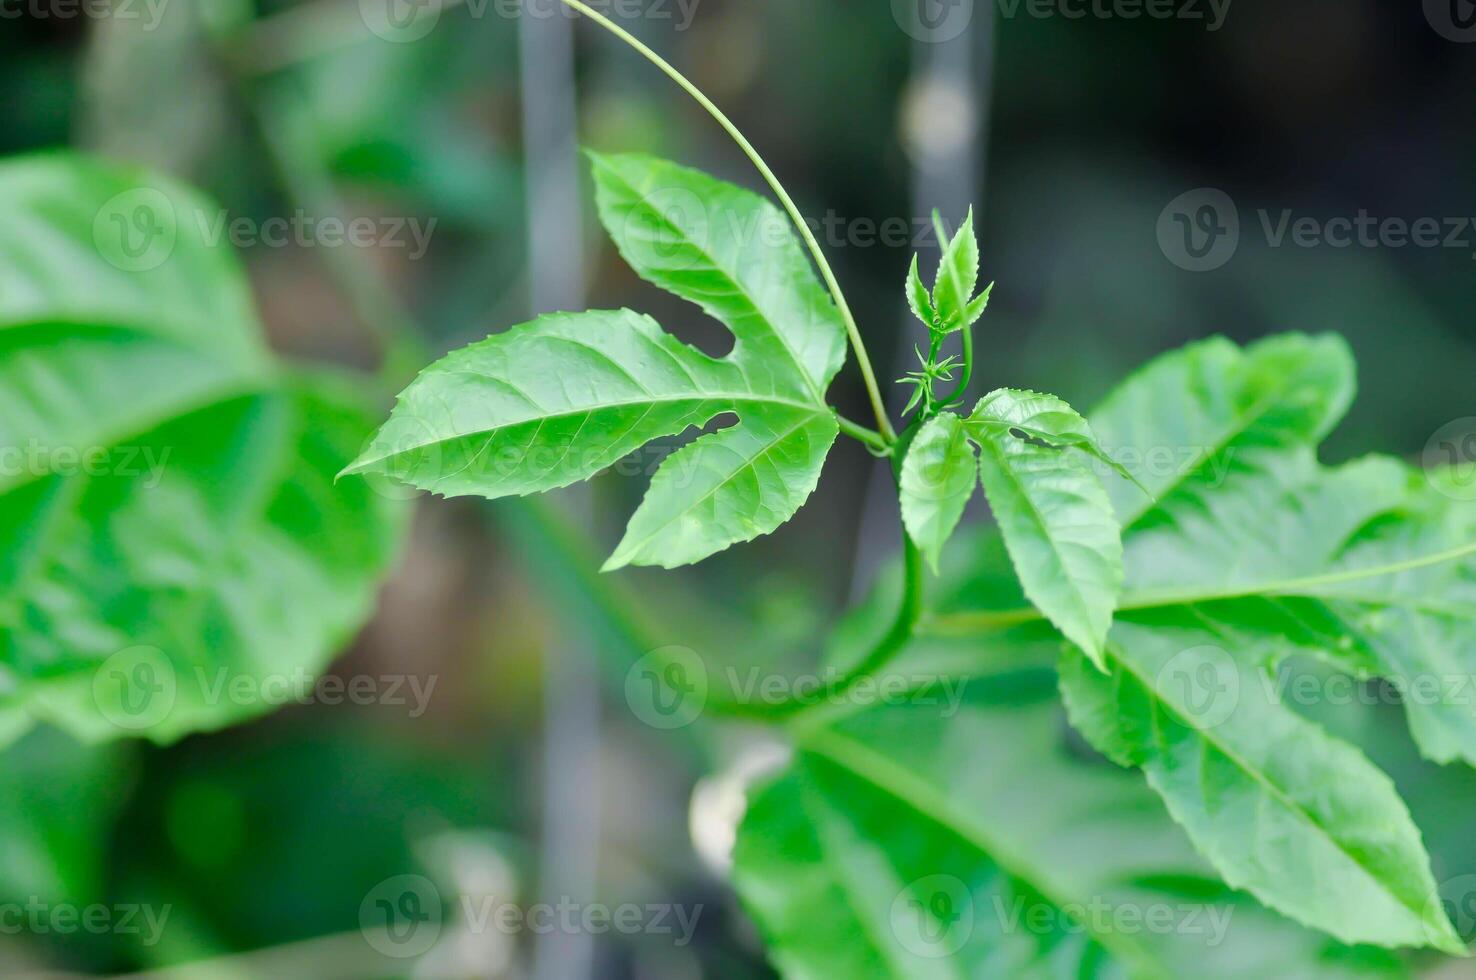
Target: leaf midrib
918, 795
1274, 791
989, 446
1149, 599
823, 814
1258, 410
739, 288
728, 402
748, 464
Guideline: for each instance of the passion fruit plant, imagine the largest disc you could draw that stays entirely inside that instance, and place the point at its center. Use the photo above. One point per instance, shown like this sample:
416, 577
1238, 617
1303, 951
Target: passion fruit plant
1158, 608
1168, 598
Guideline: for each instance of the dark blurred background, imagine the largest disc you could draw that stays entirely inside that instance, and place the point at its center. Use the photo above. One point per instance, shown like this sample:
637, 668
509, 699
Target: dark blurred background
1109, 159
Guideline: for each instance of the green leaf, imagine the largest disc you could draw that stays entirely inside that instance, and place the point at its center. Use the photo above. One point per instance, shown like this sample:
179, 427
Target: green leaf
555, 401
1190, 419
142, 604
1058, 525
144, 246
918, 299
938, 476
977, 307
171, 514
1299, 819
1044, 418
115, 310
1364, 566
1368, 566
958, 274
732, 253
909, 841
728, 486
1255, 552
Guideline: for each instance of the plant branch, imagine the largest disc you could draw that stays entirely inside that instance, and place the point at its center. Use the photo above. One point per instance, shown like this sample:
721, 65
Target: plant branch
909, 611
861, 433
968, 369
305, 180
862, 360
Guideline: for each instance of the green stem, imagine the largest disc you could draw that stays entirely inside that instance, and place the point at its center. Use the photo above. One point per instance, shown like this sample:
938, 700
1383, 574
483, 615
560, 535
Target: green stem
909, 611
304, 180
986, 620
861, 433
862, 360
968, 369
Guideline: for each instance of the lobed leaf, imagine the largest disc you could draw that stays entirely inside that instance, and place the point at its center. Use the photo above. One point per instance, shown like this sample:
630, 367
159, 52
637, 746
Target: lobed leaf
728, 486
1254, 552
1368, 566
1299, 819
909, 841
555, 401
1191, 419
732, 253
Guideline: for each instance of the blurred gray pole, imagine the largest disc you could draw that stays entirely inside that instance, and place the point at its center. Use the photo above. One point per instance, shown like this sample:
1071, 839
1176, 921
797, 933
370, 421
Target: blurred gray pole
569, 849
951, 87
